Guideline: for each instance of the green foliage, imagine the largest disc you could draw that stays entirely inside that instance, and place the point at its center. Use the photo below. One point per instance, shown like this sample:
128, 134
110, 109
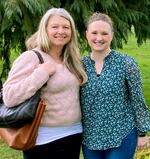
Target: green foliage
125, 14
141, 54
20, 18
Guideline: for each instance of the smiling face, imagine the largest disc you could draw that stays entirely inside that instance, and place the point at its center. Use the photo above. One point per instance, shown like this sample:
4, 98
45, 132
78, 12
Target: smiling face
59, 31
99, 35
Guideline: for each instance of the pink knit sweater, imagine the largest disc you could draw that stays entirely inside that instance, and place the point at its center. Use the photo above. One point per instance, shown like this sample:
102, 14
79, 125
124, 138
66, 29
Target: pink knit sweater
61, 93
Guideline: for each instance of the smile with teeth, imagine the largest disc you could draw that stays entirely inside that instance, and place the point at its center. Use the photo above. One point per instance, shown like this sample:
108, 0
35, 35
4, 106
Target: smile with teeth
99, 43
60, 37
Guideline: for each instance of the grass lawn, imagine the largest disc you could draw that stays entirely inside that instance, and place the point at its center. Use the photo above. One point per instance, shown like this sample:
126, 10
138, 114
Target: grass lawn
142, 56
8, 153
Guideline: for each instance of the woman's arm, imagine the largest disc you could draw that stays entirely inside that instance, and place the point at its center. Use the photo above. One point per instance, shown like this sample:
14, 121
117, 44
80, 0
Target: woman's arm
136, 95
25, 78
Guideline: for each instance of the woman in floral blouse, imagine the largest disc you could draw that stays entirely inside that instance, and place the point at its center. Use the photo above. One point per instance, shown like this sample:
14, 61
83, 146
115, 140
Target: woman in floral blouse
115, 116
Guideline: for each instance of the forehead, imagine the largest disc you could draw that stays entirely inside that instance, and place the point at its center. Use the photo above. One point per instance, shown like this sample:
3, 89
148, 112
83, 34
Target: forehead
56, 19
99, 25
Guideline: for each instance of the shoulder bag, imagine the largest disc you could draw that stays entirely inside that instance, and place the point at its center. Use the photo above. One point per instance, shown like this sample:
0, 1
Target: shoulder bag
24, 138
21, 114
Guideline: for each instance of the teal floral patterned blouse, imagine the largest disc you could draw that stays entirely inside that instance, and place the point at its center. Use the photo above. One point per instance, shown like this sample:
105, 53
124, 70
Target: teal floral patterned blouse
112, 103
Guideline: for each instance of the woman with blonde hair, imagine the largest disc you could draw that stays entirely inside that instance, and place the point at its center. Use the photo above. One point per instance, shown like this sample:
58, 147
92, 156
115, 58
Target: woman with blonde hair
59, 134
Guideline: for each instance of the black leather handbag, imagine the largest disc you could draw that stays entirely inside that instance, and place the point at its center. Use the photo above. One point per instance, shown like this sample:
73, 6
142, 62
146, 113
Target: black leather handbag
18, 116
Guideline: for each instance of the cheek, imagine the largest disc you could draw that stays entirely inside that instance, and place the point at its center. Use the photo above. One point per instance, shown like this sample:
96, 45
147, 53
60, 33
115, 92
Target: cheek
108, 38
70, 34
90, 41
90, 38
49, 34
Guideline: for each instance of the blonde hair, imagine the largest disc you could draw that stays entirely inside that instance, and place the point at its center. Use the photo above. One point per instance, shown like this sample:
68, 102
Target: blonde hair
100, 16
71, 53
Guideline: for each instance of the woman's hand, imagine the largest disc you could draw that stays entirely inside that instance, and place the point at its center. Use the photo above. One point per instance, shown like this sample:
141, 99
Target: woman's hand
142, 142
49, 67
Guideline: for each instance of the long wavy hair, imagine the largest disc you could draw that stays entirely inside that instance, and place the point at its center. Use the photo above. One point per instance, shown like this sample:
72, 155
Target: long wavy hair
71, 52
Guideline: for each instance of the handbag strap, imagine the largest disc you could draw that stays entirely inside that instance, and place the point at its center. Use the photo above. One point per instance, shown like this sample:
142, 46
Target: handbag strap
40, 59
39, 56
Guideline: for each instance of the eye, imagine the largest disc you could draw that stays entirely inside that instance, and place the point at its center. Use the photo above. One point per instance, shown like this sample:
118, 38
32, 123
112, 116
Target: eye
66, 27
104, 33
54, 26
94, 32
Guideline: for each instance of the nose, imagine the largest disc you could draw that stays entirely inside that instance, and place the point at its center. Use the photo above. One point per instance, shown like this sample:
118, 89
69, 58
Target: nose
60, 30
99, 37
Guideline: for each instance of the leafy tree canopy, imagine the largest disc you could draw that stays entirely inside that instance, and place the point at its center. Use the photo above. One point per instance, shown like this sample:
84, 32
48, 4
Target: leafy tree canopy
20, 18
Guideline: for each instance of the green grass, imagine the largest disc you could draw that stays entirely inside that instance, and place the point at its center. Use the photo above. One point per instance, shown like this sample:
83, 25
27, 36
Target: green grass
8, 153
142, 56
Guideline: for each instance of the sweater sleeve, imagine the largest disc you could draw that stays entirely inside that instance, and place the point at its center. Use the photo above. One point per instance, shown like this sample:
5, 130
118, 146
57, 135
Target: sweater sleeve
136, 95
24, 79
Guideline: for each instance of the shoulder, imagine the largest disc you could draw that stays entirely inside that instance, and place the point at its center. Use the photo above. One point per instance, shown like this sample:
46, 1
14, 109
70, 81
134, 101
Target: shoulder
124, 57
27, 61
28, 57
25, 57
129, 64
86, 59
